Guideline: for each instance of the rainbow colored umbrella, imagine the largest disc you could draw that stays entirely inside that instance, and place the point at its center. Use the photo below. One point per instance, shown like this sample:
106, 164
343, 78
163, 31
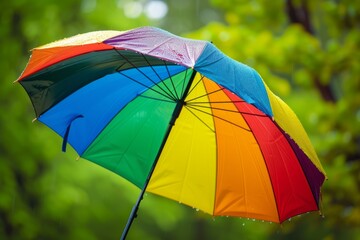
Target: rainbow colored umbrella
177, 118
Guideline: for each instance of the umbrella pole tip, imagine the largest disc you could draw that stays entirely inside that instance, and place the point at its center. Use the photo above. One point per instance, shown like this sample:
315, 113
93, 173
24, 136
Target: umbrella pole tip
34, 119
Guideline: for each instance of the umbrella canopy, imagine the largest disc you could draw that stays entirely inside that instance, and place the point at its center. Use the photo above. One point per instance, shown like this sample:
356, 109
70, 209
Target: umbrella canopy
178, 118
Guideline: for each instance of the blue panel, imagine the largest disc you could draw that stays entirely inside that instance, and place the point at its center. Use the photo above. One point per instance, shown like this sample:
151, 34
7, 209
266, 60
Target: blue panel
237, 77
98, 102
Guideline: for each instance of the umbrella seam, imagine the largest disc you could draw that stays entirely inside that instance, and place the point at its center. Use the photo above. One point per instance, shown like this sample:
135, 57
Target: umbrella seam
302, 168
217, 152
268, 173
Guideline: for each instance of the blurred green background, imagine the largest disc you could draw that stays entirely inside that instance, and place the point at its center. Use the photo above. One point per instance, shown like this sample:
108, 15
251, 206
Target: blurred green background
306, 51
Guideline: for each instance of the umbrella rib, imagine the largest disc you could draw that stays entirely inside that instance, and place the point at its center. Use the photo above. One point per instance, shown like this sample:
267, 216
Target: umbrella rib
195, 103
150, 88
202, 76
228, 110
207, 94
184, 80
248, 130
133, 65
171, 80
158, 85
157, 99
207, 125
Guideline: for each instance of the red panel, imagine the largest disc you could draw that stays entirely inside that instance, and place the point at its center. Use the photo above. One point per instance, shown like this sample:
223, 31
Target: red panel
292, 192
44, 57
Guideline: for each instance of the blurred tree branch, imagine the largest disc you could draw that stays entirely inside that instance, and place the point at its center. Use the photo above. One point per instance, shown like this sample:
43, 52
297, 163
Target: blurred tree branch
298, 13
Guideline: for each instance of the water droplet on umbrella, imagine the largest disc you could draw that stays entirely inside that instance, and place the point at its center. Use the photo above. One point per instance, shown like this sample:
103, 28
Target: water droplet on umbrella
197, 209
243, 224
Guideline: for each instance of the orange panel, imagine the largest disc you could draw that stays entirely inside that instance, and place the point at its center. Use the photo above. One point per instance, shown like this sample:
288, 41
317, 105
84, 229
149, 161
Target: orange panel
243, 186
44, 57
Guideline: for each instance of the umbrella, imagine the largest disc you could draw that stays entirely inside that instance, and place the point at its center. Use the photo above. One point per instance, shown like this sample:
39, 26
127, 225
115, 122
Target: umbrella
178, 118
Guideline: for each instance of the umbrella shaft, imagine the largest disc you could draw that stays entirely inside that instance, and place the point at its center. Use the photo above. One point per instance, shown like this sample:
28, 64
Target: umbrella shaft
179, 104
133, 215
177, 111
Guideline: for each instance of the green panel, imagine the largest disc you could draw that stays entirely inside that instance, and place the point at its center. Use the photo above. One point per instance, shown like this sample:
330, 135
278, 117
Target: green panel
129, 144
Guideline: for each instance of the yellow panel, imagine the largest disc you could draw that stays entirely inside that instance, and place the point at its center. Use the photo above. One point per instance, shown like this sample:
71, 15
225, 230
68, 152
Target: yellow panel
186, 169
243, 185
85, 38
289, 122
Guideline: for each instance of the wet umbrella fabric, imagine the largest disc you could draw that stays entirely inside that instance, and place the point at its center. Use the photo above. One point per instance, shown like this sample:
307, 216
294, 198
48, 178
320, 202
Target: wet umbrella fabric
178, 118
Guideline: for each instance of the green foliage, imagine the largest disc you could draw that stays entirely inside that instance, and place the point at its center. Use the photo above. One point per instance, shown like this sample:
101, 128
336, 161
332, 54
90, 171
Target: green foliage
315, 68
